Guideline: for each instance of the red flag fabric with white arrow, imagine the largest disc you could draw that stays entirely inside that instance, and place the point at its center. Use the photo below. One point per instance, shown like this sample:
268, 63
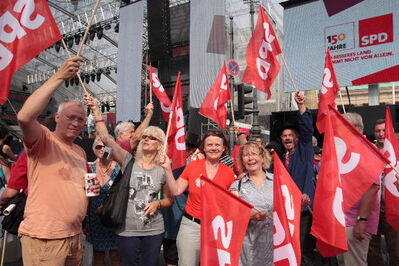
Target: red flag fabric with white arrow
159, 91
391, 147
26, 29
222, 229
286, 217
214, 104
355, 152
328, 92
328, 224
176, 134
262, 50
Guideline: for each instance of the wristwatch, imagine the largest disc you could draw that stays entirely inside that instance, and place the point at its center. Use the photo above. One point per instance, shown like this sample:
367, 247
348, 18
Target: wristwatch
359, 218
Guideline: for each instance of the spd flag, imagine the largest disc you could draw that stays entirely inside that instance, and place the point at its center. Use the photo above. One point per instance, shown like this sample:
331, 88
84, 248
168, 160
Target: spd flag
176, 134
328, 224
391, 147
286, 217
222, 229
26, 29
328, 92
159, 91
214, 105
355, 154
262, 50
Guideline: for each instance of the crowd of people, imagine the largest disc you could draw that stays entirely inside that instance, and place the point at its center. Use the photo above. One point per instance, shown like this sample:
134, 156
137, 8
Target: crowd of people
164, 206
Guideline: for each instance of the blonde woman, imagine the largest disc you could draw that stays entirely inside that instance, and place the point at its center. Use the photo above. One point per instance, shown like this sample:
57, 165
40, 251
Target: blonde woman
141, 236
256, 187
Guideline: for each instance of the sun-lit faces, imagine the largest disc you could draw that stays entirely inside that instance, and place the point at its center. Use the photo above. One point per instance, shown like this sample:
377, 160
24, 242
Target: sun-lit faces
289, 138
70, 121
252, 159
213, 147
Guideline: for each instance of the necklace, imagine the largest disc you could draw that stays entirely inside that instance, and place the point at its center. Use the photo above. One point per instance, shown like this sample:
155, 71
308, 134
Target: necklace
103, 172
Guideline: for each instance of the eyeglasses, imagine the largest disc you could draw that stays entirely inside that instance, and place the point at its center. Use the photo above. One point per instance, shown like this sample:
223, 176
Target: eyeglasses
73, 118
149, 136
250, 155
99, 147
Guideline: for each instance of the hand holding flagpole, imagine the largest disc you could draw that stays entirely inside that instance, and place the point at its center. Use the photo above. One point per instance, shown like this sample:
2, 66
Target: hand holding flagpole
77, 74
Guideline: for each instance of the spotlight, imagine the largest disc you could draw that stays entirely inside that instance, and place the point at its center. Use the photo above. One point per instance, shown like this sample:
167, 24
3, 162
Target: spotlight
99, 33
87, 78
98, 76
57, 46
67, 83
77, 39
92, 34
116, 29
107, 107
71, 82
76, 81
107, 71
70, 43
107, 27
93, 77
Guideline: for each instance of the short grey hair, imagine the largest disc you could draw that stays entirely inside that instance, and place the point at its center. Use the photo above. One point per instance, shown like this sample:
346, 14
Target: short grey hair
356, 120
62, 105
121, 127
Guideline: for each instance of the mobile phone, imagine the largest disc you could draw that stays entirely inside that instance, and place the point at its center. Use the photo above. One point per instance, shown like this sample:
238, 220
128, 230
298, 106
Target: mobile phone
107, 153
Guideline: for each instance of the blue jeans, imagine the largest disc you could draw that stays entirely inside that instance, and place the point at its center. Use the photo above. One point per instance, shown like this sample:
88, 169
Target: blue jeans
139, 250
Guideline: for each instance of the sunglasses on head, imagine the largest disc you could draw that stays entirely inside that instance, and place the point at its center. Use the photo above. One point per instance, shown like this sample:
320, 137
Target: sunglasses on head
149, 136
99, 147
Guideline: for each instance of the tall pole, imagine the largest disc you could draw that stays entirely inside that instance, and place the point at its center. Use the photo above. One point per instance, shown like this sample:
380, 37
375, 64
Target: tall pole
231, 132
255, 130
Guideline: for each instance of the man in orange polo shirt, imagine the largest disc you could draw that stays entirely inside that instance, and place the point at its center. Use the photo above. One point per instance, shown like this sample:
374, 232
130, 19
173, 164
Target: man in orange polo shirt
56, 205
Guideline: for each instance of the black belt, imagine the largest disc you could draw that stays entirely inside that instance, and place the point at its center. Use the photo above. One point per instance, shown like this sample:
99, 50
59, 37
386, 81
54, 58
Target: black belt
188, 216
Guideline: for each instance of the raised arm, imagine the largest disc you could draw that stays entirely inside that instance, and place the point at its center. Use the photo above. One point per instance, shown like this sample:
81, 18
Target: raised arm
35, 104
135, 139
300, 100
176, 186
118, 153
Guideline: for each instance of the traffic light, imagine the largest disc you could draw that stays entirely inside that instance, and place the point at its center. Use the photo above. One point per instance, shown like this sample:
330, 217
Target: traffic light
243, 99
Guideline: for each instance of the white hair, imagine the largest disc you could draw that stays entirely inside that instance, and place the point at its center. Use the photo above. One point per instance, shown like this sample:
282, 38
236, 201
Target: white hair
121, 127
62, 105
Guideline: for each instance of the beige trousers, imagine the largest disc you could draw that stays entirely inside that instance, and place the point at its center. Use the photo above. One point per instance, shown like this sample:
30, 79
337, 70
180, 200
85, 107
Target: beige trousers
52, 252
188, 243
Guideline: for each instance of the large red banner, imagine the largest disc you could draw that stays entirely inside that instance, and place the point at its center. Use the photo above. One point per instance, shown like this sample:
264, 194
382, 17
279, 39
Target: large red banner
263, 48
391, 147
26, 29
286, 217
176, 136
355, 152
222, 229
328, 224
214, 105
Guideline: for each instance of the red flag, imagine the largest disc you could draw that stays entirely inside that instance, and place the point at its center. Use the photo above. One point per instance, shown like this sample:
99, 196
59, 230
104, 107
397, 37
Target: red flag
328, 224
176, 136
214, 105
263, 48
354, 153
26, 29
222, 229
391, 146
328, 92
159, 91
286, 217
